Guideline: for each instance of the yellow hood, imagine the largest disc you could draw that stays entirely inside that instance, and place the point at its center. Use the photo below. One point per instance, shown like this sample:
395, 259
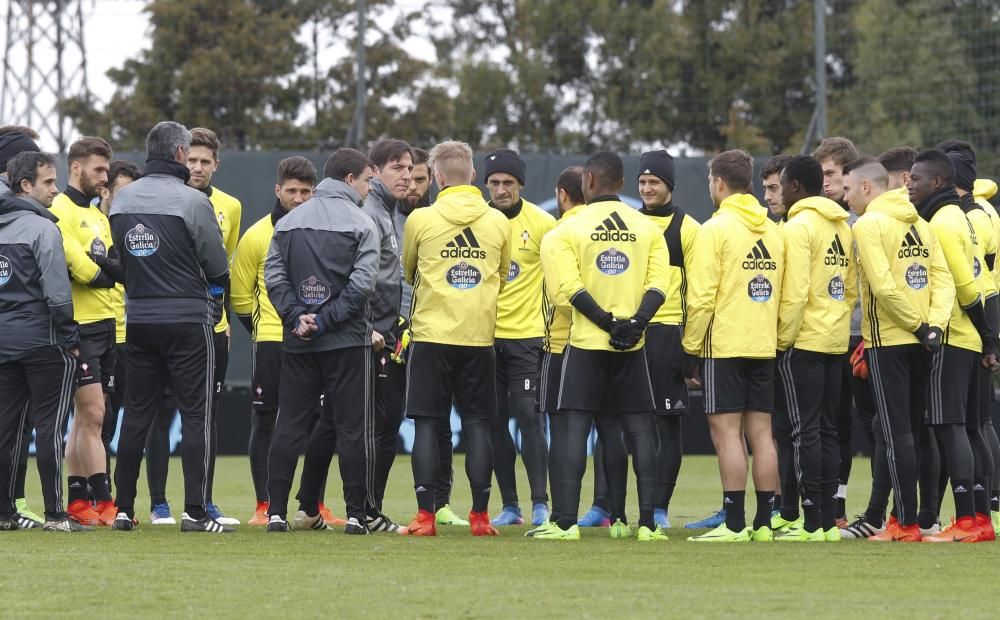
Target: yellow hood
984, 188
895, 203
747, 209
460, 204
821, 205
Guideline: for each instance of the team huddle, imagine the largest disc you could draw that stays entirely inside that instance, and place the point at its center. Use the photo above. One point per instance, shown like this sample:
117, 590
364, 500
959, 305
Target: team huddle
871, 284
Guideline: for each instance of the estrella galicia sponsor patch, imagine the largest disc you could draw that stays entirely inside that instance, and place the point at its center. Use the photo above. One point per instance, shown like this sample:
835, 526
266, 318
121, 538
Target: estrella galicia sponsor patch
612, 262
916, 276
836, 288
976, 267
6, 270
313, 291
514, 271
97, 247
142, 241
464, 276
760, 289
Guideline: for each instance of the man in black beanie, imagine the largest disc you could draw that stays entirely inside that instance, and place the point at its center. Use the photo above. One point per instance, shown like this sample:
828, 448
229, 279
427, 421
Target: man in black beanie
519, 331
663, 336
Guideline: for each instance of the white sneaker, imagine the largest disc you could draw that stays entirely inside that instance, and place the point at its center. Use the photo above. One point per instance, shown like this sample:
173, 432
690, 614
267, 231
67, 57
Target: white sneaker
302, 521
860, 529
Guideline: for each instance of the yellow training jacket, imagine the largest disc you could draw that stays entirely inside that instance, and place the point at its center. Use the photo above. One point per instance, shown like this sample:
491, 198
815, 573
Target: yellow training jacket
456, 254
904, 276
734, 283
984, 236
85, 229
819, 286
982, 191
119, 293
229, 212
247, 290
558, 311
957, 241
519, 306
674, 309
616, 255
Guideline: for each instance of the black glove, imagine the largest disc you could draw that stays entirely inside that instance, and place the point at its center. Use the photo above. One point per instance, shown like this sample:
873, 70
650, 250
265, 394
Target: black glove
626, 333
589, 308
110, 265
690, 366
930, 337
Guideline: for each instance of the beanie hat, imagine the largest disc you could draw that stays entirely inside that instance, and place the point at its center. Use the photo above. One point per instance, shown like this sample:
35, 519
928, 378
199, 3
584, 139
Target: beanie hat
12, 144
505, 160
965, 170
658, 163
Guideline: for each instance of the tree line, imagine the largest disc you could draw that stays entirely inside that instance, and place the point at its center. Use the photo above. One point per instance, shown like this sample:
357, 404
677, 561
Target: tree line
560, 75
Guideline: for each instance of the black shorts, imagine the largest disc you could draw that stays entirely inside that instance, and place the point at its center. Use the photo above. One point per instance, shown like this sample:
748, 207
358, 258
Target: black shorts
605, 382
266, 369
737, 384
665, 358
517, 364
549, 371
951, 387
436, 374
97, 355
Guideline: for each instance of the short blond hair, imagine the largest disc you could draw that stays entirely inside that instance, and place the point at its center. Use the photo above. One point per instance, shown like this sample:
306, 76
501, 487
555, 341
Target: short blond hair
453, 161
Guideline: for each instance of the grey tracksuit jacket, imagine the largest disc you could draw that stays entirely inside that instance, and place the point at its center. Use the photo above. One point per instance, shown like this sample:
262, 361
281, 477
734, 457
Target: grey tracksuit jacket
324, 260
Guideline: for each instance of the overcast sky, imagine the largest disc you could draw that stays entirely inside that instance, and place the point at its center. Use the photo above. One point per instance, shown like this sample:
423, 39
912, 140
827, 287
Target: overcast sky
116, 30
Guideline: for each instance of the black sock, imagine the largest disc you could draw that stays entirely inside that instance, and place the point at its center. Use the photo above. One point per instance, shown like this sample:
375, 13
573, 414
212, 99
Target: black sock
789, 515
965, 505
77, 488
99, 485
197, 513
619, 516
765, 500
841, 507
810, 506
602, 503
776, 502
425, 497
995, 500
981, 498
927, 519
480, 496
733, 502
646, 518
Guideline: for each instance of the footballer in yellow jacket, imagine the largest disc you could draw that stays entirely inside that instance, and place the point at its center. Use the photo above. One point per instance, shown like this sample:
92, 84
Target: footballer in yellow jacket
611, 263
456, 253
818, 294
734, 287
254, 310
94, 269
906, 295
518, 346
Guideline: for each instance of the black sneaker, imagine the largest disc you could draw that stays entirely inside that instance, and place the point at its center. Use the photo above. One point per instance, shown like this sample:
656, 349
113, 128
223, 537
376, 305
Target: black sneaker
9, 525
26, 523
381, 523
204, 524
65, 525
123, 523
277, 524
355, 528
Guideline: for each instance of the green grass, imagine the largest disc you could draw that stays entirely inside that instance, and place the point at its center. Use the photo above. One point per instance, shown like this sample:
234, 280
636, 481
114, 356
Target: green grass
158, 572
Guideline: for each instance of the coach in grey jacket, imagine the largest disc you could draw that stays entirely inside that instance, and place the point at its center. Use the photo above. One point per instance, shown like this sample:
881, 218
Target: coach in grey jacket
40, 337
393, 162
172, 252
320, 273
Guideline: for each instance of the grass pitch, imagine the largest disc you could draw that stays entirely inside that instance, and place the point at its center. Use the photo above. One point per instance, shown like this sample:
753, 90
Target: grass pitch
156, 571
